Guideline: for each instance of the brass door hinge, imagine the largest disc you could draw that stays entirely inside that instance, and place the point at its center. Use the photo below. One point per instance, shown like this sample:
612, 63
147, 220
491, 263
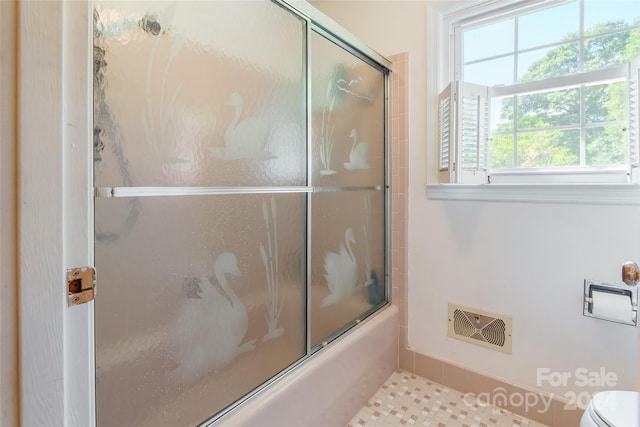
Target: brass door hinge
81, 284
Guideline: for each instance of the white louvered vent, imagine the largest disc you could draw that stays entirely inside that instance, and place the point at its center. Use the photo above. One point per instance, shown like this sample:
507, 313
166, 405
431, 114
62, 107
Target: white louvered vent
475, 126
480, 327
444, 133
446, 136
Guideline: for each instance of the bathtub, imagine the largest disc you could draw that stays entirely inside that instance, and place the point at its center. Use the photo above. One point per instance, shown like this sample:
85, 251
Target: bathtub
329, 389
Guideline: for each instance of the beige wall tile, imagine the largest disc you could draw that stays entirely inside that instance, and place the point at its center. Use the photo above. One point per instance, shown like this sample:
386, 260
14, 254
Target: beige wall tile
532, 404
395, 164
395, 294
399, 162
565, 417
528, 403
406, 360
404, 315
467, 381
404, 334
400, 292
429, 367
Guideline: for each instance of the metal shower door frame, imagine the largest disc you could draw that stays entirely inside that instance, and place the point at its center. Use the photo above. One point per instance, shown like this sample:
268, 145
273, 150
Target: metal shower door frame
58, 385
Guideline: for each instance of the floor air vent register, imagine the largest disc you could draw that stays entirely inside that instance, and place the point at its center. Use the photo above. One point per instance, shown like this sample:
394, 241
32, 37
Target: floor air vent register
480, 327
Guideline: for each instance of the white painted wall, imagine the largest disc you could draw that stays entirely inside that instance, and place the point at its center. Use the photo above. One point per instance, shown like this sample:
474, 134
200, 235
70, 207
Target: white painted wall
526, 260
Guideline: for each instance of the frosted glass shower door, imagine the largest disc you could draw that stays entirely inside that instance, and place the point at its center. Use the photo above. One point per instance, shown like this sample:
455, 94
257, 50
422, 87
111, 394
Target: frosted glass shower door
348, 204
200, 160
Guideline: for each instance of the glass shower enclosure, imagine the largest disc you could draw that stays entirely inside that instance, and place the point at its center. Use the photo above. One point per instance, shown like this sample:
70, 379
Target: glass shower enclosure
240, 172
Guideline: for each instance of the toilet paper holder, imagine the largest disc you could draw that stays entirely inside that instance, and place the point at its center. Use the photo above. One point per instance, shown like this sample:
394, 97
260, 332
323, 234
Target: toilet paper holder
630, 273
610, 288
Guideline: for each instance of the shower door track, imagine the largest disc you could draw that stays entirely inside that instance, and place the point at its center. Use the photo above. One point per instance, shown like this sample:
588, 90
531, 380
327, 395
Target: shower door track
110, 192
324, 25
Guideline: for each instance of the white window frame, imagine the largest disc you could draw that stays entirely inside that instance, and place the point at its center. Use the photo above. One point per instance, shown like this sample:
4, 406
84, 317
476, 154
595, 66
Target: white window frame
612, 174
558, 187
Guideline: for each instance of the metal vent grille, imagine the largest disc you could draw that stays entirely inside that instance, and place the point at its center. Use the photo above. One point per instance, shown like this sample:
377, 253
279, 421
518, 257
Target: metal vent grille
479, 327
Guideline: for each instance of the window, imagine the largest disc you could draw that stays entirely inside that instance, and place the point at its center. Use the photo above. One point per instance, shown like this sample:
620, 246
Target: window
543, 90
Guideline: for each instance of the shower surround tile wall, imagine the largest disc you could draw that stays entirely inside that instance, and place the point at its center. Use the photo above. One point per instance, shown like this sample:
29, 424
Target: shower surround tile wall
398, 118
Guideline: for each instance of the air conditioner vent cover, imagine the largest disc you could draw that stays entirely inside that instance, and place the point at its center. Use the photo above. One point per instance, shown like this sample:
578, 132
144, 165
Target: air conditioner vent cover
480, 327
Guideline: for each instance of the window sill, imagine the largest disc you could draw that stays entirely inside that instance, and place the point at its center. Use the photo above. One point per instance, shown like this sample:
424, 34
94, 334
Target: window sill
601, 194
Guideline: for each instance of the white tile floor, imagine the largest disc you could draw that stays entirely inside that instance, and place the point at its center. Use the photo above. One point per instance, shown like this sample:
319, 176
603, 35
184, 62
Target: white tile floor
406, 399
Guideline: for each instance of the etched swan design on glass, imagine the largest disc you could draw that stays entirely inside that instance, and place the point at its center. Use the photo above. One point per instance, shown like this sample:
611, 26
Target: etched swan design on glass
243, 139
275, 299
341, 271
358, 154
345, 86
326, 132
211, 324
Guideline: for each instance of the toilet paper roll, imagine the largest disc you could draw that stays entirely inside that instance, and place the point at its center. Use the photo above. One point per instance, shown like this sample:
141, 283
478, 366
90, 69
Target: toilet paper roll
612, 306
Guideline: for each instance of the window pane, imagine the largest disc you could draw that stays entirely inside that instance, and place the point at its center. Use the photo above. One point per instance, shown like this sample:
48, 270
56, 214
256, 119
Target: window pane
489, 40
549, 109
548, 26
561, 60
606, 102
606, 146
610, 50
632, 49
502, 114
501, 152
549, 148
574, 127
529, 63
490, 73
598, 12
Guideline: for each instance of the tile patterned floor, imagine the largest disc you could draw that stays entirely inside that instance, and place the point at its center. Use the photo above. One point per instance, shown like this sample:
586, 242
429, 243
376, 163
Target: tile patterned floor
408, 400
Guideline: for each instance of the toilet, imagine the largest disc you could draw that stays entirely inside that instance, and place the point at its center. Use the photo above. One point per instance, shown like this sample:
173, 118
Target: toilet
613, 409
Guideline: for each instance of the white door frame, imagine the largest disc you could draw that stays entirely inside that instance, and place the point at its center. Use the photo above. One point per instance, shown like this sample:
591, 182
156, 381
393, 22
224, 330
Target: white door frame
54, 210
